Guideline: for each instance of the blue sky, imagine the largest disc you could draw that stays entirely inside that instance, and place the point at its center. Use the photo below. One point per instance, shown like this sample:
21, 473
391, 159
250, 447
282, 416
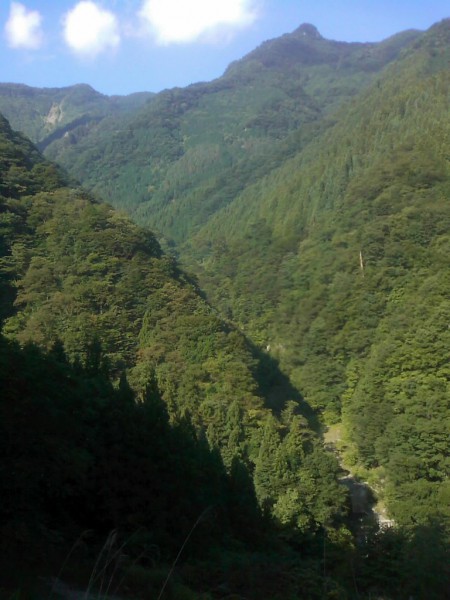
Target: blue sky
124, 46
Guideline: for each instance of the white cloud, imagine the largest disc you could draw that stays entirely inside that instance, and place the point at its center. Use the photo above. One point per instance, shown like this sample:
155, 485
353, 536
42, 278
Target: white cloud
182, 21
23, 28
90, 30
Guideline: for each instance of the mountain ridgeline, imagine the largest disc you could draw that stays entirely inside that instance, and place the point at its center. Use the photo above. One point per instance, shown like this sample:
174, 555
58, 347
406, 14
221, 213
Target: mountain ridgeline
306, 191
188, 152
47, 114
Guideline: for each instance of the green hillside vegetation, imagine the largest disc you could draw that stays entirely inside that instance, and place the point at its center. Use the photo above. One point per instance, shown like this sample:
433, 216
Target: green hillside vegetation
188, 152
85, 462
90, 302
47, 114
83, 454
366, 341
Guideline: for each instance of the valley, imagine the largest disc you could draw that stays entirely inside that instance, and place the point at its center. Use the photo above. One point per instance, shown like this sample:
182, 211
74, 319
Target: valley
224, 315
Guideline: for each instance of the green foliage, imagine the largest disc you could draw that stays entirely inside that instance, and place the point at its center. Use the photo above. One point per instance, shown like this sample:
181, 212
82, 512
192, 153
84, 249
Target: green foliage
337, 262
48, 114
78, 453
175, 161
321, 229
85, 278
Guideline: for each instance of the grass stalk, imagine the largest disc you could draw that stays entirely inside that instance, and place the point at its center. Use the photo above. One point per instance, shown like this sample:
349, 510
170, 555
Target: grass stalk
180, 551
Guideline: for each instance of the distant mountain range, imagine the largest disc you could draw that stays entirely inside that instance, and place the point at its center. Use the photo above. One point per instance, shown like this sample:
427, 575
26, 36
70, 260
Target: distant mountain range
173, 159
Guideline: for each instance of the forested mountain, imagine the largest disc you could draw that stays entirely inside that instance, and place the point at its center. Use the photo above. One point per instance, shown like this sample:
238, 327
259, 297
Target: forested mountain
189, 151
339, 261
308, 191
317, 229
47, 114
90, 305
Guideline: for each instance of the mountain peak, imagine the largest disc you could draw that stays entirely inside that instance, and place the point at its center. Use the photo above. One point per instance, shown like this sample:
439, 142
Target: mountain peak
308, 30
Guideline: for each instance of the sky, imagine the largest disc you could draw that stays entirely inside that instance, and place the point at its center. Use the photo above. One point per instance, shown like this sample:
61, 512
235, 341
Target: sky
126, 46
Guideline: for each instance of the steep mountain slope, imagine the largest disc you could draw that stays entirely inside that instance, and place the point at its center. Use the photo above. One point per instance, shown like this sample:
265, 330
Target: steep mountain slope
47, 114
338, 262
80, 454
76, 272
190, 151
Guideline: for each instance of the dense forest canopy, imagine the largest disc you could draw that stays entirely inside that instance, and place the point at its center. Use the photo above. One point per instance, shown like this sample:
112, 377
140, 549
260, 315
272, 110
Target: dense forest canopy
188, 151
113, 362
307, 194
347, 243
